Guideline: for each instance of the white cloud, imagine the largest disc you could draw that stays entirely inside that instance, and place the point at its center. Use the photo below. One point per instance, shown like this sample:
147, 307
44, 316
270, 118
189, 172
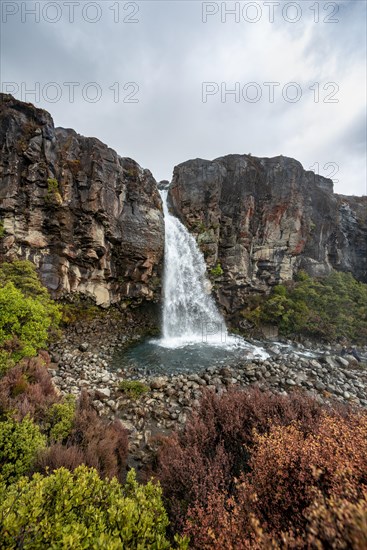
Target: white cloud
170, 52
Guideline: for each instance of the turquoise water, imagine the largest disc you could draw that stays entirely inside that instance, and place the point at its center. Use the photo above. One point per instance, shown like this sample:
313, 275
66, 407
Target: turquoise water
156, 357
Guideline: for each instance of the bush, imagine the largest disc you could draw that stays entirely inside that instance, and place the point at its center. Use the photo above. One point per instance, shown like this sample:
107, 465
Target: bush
217, 271
214, 446
338, 523
23, 321
58, 455
92, 441
6, 361
251, 470
27, 389
305, 490
334, 307
19, 444
82, 311
289, 469
133, 388
60, 419
28, 313
79, 510
53, 194
23, 275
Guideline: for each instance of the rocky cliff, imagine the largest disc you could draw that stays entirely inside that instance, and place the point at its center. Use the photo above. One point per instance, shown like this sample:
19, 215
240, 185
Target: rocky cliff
90, 220
260, 220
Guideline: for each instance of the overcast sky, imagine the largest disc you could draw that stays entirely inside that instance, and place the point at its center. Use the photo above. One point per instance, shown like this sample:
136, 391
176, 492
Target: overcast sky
151, 79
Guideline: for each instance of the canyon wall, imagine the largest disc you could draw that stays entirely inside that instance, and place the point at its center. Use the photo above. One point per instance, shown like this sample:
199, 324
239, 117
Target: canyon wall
260, 220
90, 220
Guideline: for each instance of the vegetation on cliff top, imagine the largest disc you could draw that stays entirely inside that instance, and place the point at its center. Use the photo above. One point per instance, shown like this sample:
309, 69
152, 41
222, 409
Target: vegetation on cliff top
331, 308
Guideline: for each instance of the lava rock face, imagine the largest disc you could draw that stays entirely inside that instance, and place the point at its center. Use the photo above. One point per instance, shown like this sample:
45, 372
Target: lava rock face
259, 220
90, 220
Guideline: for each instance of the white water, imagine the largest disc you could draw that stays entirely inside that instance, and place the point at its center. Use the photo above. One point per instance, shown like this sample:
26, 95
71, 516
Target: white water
190, 316
189, 312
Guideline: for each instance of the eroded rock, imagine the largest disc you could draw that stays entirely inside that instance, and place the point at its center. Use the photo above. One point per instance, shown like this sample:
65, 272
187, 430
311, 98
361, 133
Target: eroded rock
90, 220
259, 220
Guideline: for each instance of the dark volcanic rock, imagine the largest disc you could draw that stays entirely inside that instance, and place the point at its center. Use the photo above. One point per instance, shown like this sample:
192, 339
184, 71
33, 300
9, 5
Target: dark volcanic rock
90, 220
263, 219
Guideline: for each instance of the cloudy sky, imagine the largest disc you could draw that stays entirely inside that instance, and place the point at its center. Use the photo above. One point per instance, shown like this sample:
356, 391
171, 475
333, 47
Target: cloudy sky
166, 81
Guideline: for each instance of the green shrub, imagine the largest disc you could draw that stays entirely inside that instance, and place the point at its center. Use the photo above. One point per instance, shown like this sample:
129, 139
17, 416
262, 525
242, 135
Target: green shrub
53, 192
23, 275
79, 510
334, 307
133, 388
60, 419
217, 271
24, 323
20, 443
71, 313
27, 313
2, 230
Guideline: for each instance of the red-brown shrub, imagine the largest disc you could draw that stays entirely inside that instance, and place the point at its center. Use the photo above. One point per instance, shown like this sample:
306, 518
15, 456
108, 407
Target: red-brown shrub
231, 524
290, 470
93, 441
58, 456
304, 488
225, 522
27, 388
338, 524
214, 446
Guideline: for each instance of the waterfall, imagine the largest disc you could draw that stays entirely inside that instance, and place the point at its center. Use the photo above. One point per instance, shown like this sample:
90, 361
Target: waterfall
189, 312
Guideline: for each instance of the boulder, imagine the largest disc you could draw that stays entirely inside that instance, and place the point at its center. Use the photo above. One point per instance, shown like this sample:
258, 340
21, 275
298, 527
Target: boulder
342, 361
103, 393
158, 383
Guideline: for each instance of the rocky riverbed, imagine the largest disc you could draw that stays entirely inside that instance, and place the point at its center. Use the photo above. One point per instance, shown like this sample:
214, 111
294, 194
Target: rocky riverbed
84, 363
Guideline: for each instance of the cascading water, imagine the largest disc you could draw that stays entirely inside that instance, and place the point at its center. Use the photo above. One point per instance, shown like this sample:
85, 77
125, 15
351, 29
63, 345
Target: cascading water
189, 312
194, 335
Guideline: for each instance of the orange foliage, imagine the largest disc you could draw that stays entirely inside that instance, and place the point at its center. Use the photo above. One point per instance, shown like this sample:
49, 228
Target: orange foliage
290, 470
254, 470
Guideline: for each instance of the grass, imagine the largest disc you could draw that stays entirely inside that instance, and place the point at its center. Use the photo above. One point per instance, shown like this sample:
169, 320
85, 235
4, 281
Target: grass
133, 388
